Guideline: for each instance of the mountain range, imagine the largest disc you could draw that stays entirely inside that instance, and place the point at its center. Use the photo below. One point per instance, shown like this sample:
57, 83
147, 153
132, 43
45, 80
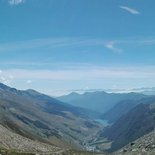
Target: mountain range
32, 123
99, 101
39, 117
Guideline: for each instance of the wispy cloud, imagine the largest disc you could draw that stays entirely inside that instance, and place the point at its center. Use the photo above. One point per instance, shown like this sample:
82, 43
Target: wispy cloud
85, 73
61, 43
57, 43
147, 42
50, 43
130, 10
16, 2
111, 45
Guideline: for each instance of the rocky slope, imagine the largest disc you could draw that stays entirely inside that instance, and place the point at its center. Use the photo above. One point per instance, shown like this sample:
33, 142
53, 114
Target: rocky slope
18, 143
14, 144
142, 146
75, 152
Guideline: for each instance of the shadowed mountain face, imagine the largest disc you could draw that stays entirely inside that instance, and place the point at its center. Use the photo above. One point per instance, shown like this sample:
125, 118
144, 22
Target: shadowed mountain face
136, 123
38, 116
123, 108
98, 101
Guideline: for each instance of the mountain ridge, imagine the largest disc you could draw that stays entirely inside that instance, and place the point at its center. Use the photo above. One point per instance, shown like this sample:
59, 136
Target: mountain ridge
136, 123
44, 118
99, 101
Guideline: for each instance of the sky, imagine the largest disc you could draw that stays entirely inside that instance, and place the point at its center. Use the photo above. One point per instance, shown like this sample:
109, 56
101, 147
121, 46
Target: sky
60, 46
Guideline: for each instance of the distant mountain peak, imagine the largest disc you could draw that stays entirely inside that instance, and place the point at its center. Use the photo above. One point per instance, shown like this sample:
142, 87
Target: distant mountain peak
3, 86
74, 93
32, 91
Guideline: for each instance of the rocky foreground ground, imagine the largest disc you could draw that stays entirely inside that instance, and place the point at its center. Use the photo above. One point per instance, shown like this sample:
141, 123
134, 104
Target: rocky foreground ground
142, 146
16, 143
19, 145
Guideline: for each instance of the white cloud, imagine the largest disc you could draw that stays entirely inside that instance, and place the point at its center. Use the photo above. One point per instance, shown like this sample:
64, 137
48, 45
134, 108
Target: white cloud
49, 81
16, 2
87, 73
6, 78
28, 81
110, 45
130, 10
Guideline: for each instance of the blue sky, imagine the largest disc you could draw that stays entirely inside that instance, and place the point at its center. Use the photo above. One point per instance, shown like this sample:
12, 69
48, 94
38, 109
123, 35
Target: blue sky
58, 46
